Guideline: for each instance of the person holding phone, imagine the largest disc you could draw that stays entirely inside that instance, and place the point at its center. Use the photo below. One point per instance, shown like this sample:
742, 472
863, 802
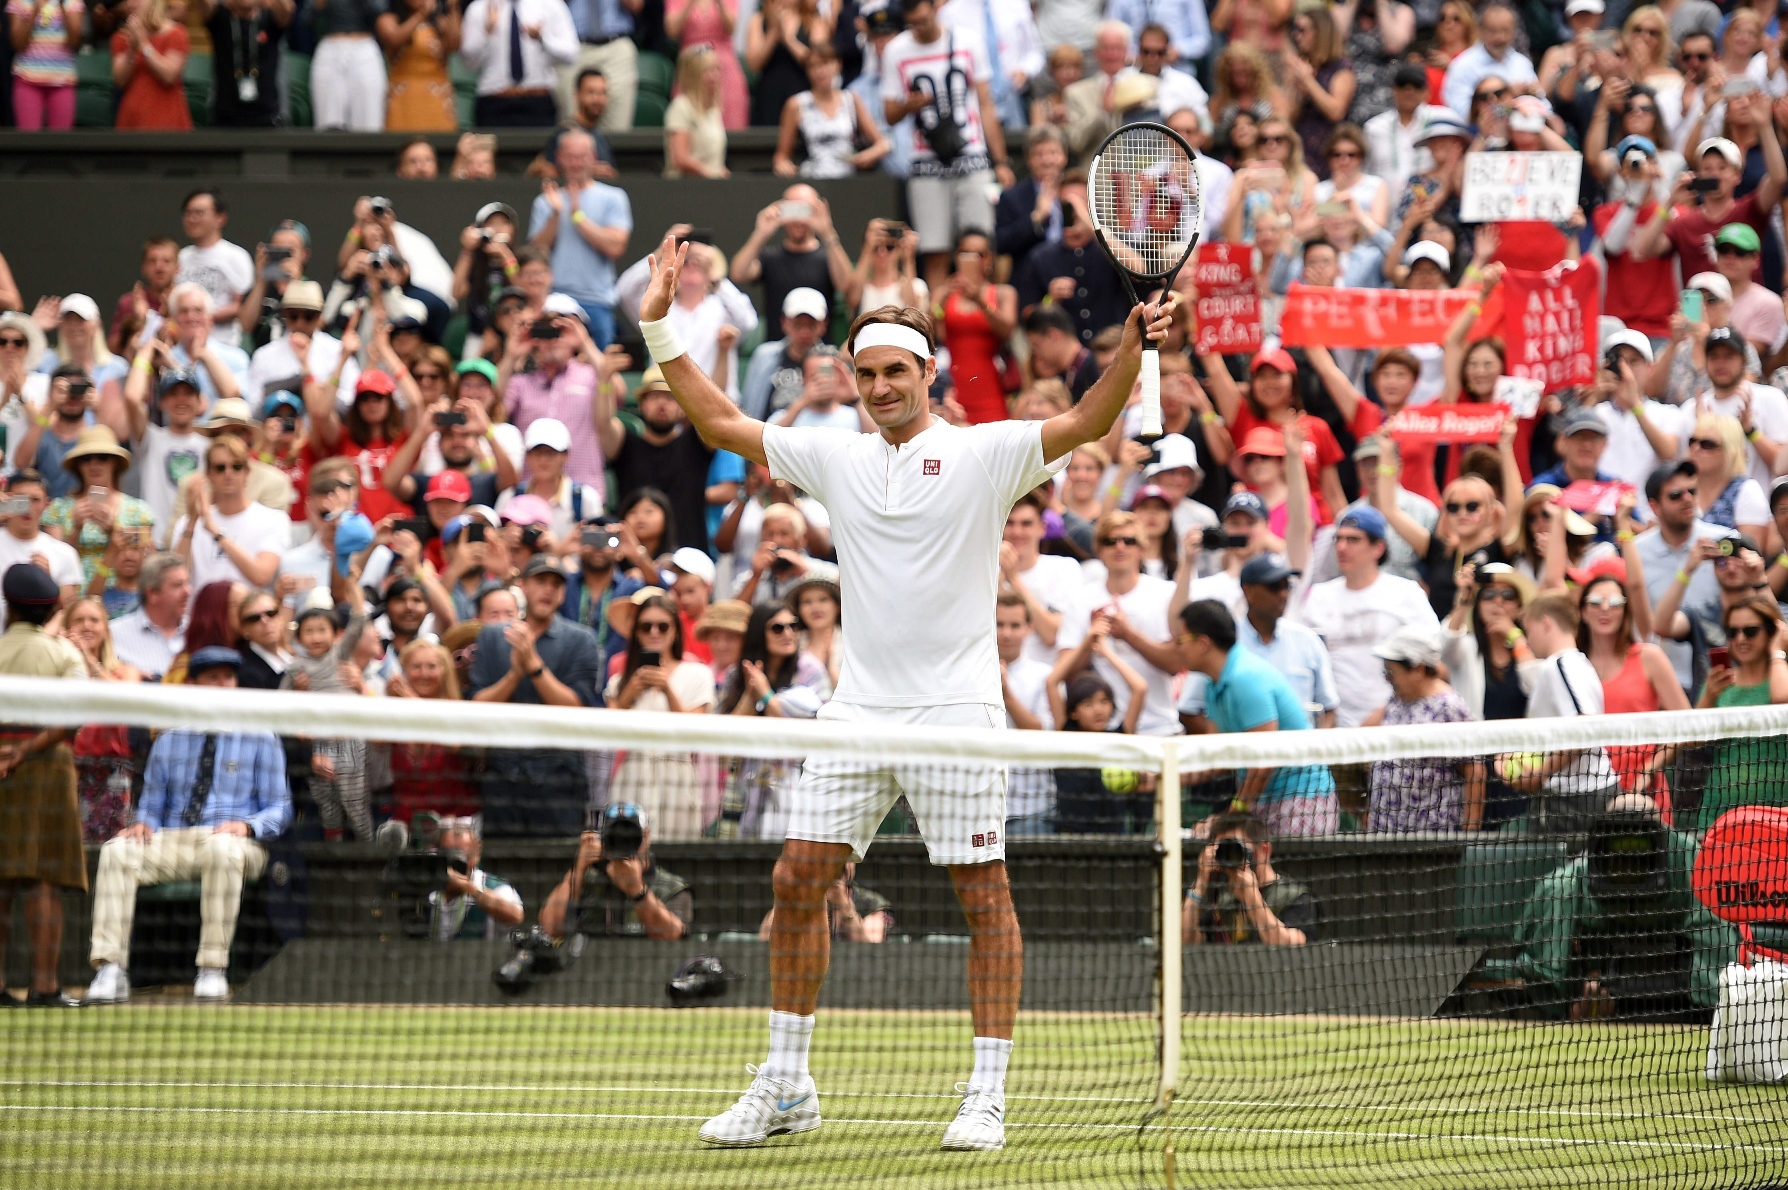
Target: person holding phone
657, 677
87, 518
1749, 771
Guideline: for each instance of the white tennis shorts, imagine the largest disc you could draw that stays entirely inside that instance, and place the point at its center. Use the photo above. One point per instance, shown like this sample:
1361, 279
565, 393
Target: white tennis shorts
960, 805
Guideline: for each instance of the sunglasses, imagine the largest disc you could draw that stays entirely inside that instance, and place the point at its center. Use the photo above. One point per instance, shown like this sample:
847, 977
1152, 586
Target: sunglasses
11, 342
1498, 93
1642, 109
1679, 493
1648, 31
1456, 507
1745, 631
1697, 57
258, 617
1346, 154
1146, 52
220, 468
1706, 443
781, 627
1505, 594
646, 626
1732, 250
421, 376
1129, 541
1609, 602
301, 315
1275, 140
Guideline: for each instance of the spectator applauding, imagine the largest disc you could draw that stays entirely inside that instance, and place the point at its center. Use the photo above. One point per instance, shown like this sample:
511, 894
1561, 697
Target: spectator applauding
45, 35
694, 126
1725, 492
242, 540
1253, 904
516, 47
418, 37
1135, 607
828, 122
1419, 795
585, 225
148, 66
1762, 411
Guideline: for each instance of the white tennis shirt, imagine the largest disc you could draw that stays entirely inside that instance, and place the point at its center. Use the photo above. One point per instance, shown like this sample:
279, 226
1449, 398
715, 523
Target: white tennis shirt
917, 528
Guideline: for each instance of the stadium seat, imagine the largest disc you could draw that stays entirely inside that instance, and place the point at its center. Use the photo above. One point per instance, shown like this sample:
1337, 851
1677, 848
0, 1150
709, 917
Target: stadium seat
93, 89
657, 75
297, 75
465, 90
198, 88
1494, 881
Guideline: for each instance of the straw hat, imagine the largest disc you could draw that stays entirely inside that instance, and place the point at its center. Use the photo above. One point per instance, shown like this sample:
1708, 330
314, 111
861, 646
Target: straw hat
94, 441
729, 615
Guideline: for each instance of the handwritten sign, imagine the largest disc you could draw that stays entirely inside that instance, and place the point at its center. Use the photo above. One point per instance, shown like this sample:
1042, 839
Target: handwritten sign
1520, 394
1227, 313
1549, 324
1369, 317
1505, 186
1448, 423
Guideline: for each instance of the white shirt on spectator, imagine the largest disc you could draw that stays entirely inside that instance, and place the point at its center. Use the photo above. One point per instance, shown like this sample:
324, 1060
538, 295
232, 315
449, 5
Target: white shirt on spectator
1351, 623
1020, 48
1145, 607
1565, 687
164, 460
1069, 22
137, 641
1053, 582
65, 563
1475, 65
275, 362
309, 561
1769, 416
1629, 455
1029, 789
255, 530
956, 53
699, 328
487, 50
1391, 149
225, 271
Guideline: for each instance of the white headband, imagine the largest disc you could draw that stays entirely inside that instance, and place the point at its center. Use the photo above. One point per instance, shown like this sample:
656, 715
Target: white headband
891, 334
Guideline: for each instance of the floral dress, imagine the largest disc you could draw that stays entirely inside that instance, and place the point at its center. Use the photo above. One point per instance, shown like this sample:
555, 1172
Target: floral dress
132, 514
1421, 793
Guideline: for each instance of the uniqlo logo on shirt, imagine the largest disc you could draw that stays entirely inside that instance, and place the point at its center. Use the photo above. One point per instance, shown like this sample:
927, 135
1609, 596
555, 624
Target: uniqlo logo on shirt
933, 466
979, 840
992, 838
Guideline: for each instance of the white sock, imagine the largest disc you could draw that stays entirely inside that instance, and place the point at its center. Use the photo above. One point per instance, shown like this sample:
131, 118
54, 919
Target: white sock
789, 1036
992, 1054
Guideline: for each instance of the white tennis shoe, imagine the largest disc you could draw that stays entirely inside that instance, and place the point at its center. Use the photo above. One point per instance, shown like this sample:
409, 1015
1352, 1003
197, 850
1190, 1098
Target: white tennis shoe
211, 985
769, 1107
980, 1123
110, 985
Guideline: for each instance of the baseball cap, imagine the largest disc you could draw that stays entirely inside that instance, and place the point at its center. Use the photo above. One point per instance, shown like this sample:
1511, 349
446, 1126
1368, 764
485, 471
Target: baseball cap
1408, 74
1174, 451
1366, 519
1430, 251
1725, 336
1277, 358
1654, 483
79, 305
1629, 143
281, 400
1633, 339
1412, 644
175, 377
454, 527
528, 509
1577, 6
1263, 440
494, 208
1150, 491
353, 533
810, 302
375, 381
1777, 491
1264, 570
1725, 148
1245, 502
563, 303
696, 562
482, 367
213, 657
1712, 284
549, 432
449, 485
543, 564
409, 315
1739, 235
1370, 447
1583, 421
302, 295
228, 411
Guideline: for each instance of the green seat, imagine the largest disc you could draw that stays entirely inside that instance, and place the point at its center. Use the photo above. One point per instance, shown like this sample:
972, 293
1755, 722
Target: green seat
657, 74
649, 109
1495, 880
93, 89
197, 77
465, 90
297, 75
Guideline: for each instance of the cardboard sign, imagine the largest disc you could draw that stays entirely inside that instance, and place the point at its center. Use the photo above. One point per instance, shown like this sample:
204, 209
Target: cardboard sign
1369, 317
1227, 313
1448, 423
1505, 186
1549, 323
1520, 394
1594, 499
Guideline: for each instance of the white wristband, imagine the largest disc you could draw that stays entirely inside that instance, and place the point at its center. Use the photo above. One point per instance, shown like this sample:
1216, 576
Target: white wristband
661, 340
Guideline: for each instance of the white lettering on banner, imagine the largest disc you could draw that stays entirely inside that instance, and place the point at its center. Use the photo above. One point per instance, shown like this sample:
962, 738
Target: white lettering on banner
1227, 311
1505, 187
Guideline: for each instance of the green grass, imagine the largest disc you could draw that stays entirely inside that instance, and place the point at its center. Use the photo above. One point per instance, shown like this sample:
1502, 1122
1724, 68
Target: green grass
176, 1095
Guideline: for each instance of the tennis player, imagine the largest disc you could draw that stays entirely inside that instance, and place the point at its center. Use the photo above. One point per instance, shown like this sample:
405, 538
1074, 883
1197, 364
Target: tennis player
917, 514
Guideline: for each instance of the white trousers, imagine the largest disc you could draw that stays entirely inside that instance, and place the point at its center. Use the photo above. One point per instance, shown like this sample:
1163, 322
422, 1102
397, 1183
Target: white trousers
347, 84
223, 863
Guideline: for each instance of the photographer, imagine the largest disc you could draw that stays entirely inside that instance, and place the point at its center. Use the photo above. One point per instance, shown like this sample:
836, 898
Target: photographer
1249, 903
485, 265
853, 913
619, 891
475, 904
781, 560
278, 262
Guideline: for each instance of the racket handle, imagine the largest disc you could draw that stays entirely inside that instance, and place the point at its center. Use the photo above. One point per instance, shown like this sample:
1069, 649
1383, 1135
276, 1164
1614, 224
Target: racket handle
1151, 391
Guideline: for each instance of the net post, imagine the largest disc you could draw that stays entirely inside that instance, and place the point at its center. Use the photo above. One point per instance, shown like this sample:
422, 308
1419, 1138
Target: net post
1168, 815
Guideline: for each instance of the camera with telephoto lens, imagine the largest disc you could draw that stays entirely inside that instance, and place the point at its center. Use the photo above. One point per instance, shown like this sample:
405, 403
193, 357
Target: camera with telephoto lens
702, 978
623, 831
380, 207
411, 876
537, 953
1233, 854
1635, 159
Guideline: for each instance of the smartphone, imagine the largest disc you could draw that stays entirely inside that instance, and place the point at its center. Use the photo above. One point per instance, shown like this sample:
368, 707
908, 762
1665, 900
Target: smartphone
531, 536
15, 506
305, 582
1692, 300
452, 417
697, 235
475, 531
96, 494
1738, 86
649, 657
1604, 39
1704, 185
1718, 657
600, 539
544, 328
79, 386
420, 526
796, 210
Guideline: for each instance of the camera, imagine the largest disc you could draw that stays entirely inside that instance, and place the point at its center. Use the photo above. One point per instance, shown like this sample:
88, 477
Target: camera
1217, 539
452, 417
600, 539
1727, 547
475, 531
697, 235
79, 386
622, 829
421, 527
1704, 185
531, 535
1233, 854
488, 237
1635, 159
537, 953
271, 272
702, 978
380, 207
412, 875
543, 328
382, 259
287, 425
780, 566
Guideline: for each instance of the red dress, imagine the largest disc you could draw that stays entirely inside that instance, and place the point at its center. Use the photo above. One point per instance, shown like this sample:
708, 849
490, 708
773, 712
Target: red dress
1630, 692
974, 352
147, 101
431, 777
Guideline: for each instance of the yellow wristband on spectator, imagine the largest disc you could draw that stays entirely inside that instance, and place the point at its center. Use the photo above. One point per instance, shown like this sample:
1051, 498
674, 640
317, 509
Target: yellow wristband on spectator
1624, 535
578, 216
1386, 470
1782, 561
509, 270
1682, 576
1474, 309
1209, 418
1755, 435
1238, 806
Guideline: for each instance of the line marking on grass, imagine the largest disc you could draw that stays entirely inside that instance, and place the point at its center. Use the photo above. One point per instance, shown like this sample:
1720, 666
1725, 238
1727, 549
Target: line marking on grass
1233, 1130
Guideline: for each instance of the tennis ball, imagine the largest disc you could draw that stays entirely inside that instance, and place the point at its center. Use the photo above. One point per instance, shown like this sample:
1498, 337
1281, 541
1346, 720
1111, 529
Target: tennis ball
1119, 780
1519, 764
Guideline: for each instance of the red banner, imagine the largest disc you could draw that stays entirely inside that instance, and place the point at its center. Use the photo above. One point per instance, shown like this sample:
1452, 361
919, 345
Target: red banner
1594, 499
1369, 317
1448, 423
1227, 313
1549, 323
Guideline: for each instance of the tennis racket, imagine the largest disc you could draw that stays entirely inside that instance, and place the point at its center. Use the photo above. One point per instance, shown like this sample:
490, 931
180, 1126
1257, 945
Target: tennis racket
1144, 192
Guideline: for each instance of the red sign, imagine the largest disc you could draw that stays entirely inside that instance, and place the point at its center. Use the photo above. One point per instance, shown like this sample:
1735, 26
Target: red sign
1592, 498
1369, 317
1741, 868
1448, 423
1227, 312
1549, 323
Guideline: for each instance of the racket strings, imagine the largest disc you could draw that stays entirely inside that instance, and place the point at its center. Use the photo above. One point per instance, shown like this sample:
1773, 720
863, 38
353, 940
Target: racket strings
1145, 200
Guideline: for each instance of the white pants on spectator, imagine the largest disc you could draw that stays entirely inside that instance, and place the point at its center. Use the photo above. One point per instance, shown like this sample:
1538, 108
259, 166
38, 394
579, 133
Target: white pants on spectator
347, 83
942, 208
1300, 817
345, 794
222, 862
666, 787
619, 63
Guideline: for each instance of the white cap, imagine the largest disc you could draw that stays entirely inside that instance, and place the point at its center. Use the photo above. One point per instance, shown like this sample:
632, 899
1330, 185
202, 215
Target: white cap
1430, 251
1633, 339
1412, 644
549, 432
810, 302
81, 306
1713, 284
563, 303
1176, 451
1725, 148
693, 561
1577, 6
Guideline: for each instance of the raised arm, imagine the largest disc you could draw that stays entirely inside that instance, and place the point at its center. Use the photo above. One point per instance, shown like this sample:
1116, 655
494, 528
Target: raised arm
1099, 409
710, 410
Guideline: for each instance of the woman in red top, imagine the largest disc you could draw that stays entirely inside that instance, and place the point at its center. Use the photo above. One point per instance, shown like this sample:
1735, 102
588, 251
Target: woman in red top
1456, 32
977, 317
429, 777
149, 67
373, 428
1271, 402
1636, 678
1472, 369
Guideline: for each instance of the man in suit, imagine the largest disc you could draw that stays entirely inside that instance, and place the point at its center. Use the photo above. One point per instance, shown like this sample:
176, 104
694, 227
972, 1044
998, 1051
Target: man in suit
1030, 213
1092, 102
